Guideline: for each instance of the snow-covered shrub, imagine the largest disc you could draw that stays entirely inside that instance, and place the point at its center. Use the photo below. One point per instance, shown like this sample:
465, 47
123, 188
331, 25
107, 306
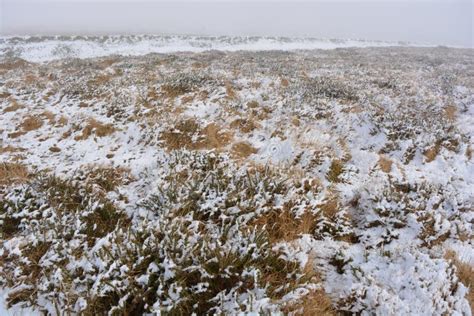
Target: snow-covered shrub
368, 181
51, 223
192, 247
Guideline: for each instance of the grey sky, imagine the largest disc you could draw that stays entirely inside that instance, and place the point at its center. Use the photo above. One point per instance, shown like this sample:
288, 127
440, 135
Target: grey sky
447, 22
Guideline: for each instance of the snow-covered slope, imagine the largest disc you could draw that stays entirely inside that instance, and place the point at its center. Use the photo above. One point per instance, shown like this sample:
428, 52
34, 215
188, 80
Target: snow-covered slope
40, 49
273, 181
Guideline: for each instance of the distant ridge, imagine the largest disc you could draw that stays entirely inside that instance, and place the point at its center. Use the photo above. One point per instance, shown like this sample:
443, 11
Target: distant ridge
46, 48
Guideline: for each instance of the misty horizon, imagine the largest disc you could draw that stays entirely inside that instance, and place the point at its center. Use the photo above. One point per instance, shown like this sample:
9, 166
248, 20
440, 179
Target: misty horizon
440, 23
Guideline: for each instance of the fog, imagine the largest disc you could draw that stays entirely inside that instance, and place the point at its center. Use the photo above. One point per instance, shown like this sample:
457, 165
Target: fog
432, 22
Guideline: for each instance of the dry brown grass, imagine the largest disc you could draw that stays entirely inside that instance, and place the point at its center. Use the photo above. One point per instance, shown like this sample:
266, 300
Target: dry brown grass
189, 134
432, 152
97, 128
31, 123
108, 178
203, 95
282, 225
315, 303
30, 79
353, 109
48, 94
331, 205
62, 121
10, 149
450, 112
253, 104
278, 133
54, 149
428, 233
243, 125
4, 95
14, 106
256, 84
214, 137
385, 164
242, 150
100, 79
335, 171
313, 185
230, 91
295, 121
34, 255
187, 99
13, 173
107, 62
181, 135
16, 134
469, 152
198, 65
67, 134
262, 113
465, 273
50, 116
16, 63
172, 91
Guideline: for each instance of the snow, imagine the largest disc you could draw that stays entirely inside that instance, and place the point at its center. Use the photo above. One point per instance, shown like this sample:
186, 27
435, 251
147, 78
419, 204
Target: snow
14, 311
377, 102
87, 47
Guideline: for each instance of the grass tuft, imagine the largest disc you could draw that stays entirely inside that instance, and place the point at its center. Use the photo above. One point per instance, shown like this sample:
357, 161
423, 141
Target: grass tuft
14, 106
13, 173
97, 128
465, 273
432, 152
242, 150
335, 171
385, 164
31, 123
285, 226
188, 134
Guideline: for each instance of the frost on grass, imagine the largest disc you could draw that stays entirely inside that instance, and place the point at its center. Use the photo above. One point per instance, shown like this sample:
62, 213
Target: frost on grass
312, 182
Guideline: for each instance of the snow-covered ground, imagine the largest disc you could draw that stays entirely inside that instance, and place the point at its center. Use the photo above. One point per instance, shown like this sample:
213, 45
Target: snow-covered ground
39, 49
354, 166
